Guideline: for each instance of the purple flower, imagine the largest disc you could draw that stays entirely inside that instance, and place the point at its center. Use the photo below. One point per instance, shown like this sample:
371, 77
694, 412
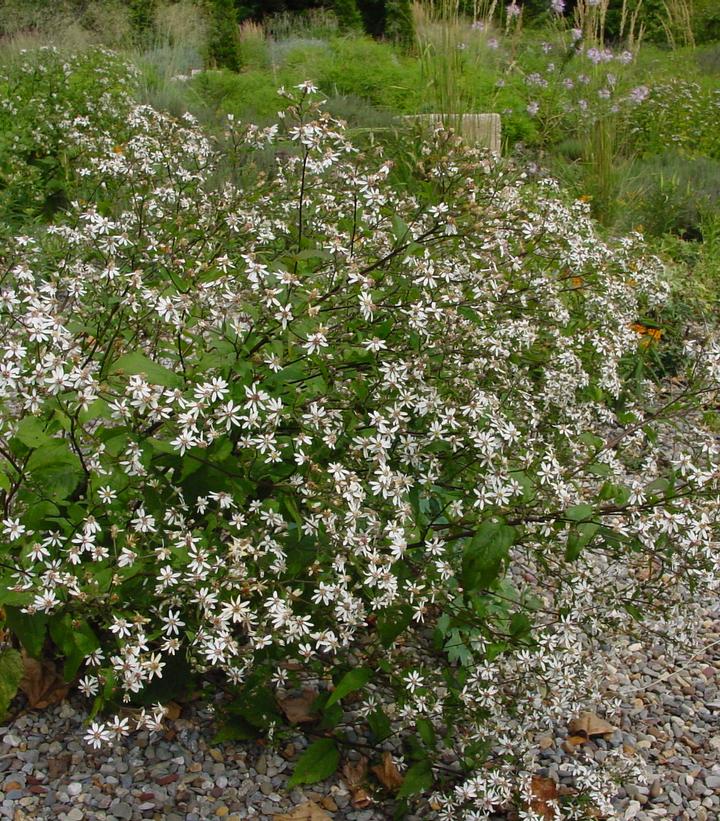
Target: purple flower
513, 10
638, 94
558, 6
533, 108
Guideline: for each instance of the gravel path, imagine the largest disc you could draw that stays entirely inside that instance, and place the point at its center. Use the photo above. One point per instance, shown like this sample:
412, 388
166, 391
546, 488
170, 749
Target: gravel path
670, 717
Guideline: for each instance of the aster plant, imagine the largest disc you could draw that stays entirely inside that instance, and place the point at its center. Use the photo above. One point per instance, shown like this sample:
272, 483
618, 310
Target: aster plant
323, 430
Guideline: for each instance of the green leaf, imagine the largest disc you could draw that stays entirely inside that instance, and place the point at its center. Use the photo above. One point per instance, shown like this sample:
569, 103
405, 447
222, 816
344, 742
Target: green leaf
4, 481
137, 363
519, 625
379, 723
314, 253
579, 538
57, 481
392, 622
417, 779
30, 630
485, 553
354, 680
659, 486
426, 731
31, 432
400, 229
11, 673
318, 762
332, 715
52, 455
75, 639
599, 469
39, 513
235, 729
577, 513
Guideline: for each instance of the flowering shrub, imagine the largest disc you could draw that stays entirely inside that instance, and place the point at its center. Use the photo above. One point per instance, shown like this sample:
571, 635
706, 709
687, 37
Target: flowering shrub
678, 115
41, 93
287, 431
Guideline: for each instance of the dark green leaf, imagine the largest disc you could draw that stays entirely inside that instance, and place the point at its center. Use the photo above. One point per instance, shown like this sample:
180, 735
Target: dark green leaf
318, 762
235, 728
11, 673
392, 622
578, 538
30, 630
75, 639
354, 680
417, 779
426, 731
379, 723
485, 553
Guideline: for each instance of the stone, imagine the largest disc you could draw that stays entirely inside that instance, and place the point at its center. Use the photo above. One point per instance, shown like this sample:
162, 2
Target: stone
122, 810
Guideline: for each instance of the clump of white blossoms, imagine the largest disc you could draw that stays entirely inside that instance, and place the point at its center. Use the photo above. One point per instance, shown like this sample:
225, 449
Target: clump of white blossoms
284, 429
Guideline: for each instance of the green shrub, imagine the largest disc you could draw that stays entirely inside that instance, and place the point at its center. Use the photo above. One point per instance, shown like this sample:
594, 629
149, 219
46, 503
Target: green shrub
250, 95
223, 51
679, 116
68, 24
399, 22
672, 194
348, 16
373, 71
42, 95
142, 19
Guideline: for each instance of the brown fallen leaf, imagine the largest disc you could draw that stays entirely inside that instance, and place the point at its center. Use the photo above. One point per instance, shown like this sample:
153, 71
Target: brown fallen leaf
172, 710
544, 791
387, 773
577, 740
299, 709
588, 724
42, 683
354, 774
309, 811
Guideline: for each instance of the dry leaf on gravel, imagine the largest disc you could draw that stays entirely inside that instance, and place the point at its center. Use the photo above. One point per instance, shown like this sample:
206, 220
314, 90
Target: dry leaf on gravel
299, 709
172, 710
354, 774
309, 811
544, 791
577, 740
387, 773
588, 724
41, 683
